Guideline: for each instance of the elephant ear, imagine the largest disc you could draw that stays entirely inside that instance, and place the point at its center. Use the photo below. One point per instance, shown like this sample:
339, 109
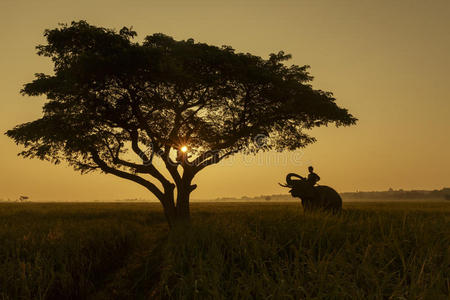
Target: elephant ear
307, 189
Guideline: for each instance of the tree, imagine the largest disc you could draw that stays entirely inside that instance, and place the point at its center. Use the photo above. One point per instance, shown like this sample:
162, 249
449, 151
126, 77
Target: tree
120, 107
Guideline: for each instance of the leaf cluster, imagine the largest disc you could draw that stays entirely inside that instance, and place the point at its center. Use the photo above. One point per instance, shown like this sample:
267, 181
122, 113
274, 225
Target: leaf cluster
110, 98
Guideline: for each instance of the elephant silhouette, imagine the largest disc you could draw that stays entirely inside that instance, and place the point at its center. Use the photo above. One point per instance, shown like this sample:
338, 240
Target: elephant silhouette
314, 198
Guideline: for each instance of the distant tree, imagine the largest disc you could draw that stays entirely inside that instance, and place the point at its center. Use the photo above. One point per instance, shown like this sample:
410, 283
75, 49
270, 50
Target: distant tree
119, 106
23, 198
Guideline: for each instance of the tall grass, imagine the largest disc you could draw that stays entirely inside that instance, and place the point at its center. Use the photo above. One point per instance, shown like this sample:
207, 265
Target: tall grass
65, 251
277, 252
231, 251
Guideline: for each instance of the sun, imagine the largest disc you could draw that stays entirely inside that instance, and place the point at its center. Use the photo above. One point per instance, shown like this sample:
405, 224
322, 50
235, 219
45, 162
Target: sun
184, 149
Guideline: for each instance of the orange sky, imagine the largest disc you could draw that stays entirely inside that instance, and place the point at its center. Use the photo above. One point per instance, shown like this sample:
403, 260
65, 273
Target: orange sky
388, 62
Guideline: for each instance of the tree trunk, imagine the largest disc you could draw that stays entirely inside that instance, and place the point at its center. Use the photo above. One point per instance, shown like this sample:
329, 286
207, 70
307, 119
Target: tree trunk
183, 213
178, 215
169, 211
183, 194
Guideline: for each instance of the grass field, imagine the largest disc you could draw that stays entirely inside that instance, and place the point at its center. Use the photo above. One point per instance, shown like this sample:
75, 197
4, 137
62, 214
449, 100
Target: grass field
232, 251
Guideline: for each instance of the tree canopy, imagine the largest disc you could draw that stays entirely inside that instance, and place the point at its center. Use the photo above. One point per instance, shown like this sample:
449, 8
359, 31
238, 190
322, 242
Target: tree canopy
116, 105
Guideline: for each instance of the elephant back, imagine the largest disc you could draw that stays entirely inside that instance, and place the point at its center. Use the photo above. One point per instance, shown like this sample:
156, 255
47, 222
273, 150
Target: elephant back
328, 198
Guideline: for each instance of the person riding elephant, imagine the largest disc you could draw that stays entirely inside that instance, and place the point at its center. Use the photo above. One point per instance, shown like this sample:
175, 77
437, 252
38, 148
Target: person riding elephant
313, 197
313, 178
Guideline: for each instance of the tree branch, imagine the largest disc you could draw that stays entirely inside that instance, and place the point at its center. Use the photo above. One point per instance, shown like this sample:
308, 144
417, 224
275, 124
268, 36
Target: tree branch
107, 169
171, 166
214, 159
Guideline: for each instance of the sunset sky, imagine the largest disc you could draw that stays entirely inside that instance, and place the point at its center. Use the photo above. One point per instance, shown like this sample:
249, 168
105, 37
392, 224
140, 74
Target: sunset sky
388, 62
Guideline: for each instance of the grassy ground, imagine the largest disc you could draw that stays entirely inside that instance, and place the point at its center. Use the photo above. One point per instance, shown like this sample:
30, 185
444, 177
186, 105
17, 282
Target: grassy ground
68, 251
231, 251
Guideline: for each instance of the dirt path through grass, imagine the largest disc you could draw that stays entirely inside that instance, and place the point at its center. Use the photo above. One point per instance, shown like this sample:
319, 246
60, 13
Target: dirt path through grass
140, 275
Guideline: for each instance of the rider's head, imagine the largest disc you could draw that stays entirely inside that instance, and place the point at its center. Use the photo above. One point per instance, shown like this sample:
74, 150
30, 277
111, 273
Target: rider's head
310, 169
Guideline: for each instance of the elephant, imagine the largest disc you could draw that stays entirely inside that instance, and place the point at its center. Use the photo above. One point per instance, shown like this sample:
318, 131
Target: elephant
314, 198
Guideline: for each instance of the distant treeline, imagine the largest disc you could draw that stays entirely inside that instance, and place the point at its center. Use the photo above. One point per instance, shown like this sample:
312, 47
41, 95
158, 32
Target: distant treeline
374, 195
401, 194
379, 195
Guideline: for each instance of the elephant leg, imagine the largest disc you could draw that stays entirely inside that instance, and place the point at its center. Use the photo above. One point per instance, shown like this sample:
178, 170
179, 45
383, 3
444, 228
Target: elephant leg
309, 205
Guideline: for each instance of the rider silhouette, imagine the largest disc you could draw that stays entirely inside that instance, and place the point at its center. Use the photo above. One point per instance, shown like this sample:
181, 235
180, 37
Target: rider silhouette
313, 178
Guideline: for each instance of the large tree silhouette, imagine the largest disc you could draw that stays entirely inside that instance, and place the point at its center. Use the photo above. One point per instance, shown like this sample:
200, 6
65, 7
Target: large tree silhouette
119, 107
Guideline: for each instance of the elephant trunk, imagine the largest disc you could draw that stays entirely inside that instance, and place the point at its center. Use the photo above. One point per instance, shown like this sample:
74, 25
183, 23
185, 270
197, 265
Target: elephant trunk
289, 180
